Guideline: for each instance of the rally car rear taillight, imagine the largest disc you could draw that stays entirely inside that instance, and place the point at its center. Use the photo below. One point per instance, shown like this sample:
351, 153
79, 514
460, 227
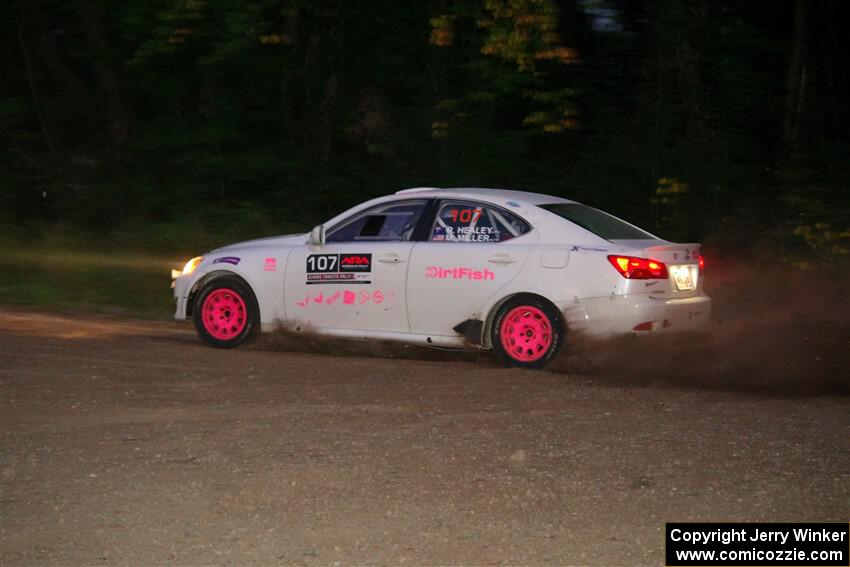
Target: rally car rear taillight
639, 268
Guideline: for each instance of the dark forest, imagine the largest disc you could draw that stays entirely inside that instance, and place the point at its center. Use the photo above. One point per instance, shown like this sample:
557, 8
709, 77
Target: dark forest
439, 377
178, 123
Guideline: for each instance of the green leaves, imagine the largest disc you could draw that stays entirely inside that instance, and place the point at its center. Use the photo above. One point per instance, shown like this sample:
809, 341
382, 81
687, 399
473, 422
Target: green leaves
303, 107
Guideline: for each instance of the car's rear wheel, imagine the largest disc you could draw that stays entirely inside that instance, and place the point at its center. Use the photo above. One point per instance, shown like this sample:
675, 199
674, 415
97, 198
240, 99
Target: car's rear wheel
225, 312
526, 332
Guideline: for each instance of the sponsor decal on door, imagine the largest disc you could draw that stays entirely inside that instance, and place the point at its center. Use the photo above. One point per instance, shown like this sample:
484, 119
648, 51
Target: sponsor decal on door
339, 268
460, 273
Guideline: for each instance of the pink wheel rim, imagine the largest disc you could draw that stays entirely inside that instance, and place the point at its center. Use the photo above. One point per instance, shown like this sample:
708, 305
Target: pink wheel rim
526, 333
224, 314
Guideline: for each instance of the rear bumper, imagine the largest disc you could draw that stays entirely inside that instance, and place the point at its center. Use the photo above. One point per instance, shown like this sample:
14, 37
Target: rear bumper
620, 314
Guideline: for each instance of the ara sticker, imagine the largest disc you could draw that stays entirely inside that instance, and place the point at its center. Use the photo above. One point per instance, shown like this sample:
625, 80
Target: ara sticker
270, 265
339, 268
227, 260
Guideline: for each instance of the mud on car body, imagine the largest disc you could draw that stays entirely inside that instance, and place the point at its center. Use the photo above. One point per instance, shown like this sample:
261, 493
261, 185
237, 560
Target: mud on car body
510, 271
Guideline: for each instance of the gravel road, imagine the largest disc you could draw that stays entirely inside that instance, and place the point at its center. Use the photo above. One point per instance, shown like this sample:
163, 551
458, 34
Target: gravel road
129, 442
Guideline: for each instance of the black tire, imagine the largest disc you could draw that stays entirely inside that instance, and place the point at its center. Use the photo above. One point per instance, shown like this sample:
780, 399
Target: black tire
226, 313
534, 332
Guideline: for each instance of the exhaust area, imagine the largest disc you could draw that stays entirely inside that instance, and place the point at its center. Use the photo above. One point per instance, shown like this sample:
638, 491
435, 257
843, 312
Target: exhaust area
776, 331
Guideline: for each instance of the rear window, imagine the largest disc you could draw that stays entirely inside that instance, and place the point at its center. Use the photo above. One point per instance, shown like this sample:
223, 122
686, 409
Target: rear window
599, 223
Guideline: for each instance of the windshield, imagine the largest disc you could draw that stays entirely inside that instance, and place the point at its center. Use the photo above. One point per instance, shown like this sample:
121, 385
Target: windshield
599, 223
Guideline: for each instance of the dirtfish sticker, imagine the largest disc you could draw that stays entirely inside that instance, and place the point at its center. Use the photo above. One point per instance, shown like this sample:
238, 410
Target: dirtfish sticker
339, 268
436, 272
227, 260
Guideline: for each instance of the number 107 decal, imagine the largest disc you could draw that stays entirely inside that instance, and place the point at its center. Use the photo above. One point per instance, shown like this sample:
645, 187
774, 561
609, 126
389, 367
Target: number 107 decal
322, 263
465, 215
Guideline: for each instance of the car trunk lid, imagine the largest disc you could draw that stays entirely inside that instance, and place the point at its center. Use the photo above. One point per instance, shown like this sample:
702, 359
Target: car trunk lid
682, 261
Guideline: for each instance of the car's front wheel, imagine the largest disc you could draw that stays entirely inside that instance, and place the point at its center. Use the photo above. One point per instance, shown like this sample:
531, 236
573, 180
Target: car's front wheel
225, 312
526, 332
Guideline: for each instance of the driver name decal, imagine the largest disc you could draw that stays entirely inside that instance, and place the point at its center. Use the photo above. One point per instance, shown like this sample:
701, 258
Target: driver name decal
339, 268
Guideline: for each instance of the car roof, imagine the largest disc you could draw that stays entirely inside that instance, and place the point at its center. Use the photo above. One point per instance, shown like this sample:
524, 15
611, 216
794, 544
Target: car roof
501, 196
550, 226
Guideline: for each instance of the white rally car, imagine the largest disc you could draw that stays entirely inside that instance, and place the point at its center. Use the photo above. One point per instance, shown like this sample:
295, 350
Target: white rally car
510, 271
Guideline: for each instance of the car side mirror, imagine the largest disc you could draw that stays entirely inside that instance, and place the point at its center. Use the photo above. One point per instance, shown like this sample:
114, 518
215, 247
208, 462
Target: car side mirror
317, 235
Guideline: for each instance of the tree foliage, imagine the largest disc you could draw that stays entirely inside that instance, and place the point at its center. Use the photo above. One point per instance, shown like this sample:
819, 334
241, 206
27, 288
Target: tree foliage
696, 119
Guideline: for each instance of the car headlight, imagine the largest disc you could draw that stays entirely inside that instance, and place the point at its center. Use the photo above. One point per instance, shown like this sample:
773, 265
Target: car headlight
192, 264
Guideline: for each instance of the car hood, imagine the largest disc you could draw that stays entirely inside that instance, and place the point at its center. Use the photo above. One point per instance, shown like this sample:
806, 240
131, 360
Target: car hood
268, 242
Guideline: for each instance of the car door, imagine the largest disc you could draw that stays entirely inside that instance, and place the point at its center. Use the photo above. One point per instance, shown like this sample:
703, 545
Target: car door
472, 252
357, 279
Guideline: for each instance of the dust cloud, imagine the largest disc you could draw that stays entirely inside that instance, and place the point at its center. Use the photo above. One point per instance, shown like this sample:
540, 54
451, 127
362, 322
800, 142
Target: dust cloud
775, 330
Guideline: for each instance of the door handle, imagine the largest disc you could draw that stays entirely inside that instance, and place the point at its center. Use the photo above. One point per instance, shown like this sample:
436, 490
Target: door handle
502, 259
390, 259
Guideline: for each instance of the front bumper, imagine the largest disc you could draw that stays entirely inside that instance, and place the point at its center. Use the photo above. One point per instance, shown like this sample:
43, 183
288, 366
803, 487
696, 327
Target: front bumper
182, 286
620, 314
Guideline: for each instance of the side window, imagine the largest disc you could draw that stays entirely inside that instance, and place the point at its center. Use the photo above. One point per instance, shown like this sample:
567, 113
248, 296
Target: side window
387, 222
475, 222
